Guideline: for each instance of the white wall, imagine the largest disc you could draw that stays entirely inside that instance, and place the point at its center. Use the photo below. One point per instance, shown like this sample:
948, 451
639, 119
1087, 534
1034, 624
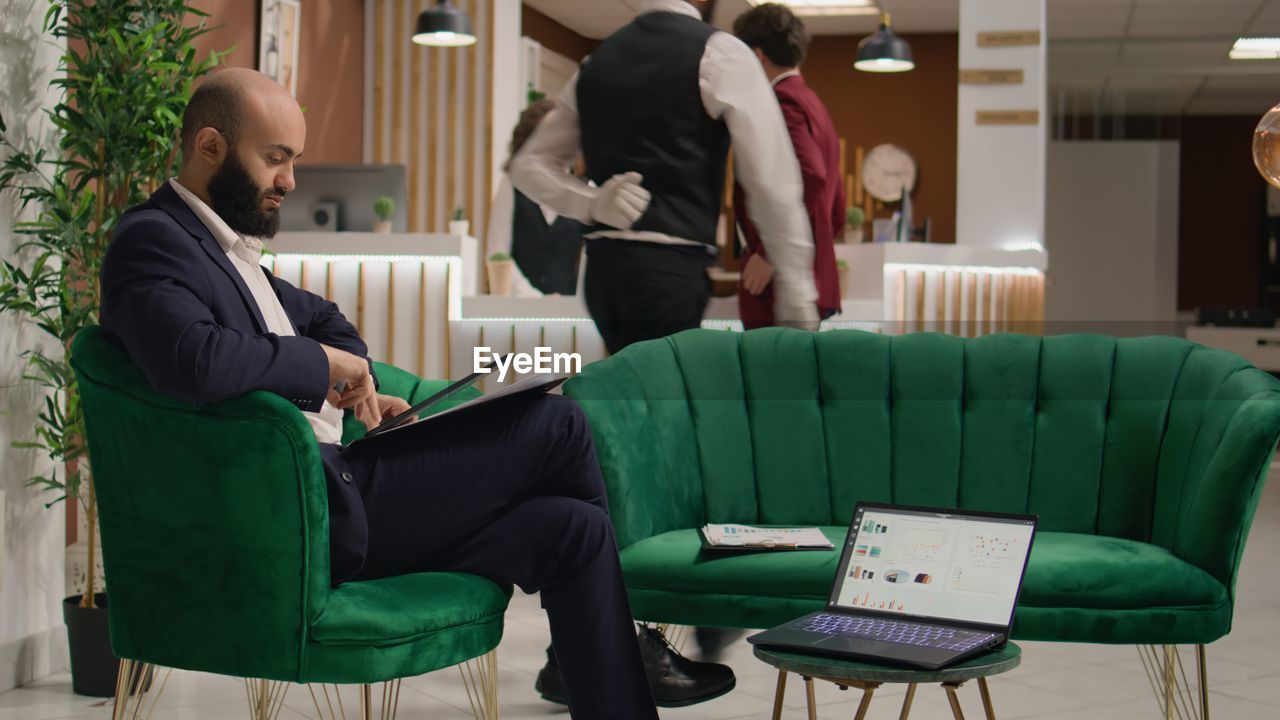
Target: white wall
1000, 169
32, 637
1112, 232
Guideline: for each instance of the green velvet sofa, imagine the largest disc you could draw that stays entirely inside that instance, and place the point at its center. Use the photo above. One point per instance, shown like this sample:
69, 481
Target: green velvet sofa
1143, 459
215, 542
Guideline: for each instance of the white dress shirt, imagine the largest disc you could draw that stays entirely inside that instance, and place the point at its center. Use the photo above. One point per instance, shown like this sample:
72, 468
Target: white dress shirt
734, 88
245, 254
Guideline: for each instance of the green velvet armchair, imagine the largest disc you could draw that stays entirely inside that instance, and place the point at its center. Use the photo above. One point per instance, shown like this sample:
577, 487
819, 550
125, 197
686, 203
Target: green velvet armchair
214, 526
1144, 459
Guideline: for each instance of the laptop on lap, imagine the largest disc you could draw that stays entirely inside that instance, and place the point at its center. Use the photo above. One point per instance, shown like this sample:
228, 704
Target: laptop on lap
923, 587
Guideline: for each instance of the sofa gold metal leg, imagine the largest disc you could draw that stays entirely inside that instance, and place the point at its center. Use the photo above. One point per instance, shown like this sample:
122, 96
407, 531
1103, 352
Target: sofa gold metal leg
366, 702
480, 676
1171, 684
1203, 666
136, 690
266, 698
778, 694
906, 702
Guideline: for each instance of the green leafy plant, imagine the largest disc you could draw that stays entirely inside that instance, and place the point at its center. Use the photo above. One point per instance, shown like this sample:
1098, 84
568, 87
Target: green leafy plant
854, 217
458, 214
842, 265
499, 257
384, 207
124, 80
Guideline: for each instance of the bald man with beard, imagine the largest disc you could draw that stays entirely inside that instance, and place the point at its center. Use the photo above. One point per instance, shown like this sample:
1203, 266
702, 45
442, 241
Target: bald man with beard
510, 491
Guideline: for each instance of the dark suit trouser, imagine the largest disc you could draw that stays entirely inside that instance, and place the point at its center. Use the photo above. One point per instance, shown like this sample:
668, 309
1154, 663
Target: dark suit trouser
511, 491
640, 291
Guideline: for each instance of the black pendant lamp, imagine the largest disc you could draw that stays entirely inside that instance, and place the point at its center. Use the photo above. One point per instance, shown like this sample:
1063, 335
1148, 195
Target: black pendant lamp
884, 51
444, 26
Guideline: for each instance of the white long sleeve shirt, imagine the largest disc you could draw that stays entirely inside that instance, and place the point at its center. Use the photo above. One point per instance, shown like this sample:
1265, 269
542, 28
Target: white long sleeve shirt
733, 87
245, 254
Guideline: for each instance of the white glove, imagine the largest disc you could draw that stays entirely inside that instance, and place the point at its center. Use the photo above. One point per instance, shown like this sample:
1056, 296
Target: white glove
621, 201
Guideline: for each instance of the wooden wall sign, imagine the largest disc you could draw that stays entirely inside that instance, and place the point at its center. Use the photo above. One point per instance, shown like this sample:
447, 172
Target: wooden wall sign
1009, 38
1012, 76
1008, 117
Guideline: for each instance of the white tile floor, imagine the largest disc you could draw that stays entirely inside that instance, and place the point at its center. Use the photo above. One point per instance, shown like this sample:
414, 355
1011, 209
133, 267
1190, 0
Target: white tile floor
1055, 681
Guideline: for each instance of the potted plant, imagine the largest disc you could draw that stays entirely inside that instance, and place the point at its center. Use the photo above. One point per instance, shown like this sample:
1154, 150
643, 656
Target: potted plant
385, 208
457, 225
125, 76
854, 218
500, 267
842, 272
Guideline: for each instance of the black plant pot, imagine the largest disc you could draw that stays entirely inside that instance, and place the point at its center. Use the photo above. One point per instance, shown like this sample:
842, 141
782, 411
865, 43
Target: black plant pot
93, 666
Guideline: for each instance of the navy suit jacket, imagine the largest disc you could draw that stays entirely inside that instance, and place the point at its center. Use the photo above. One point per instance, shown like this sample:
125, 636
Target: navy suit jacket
173, 300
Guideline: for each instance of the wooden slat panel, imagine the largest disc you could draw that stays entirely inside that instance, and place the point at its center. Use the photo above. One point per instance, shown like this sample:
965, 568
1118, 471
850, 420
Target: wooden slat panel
921, 278
490, 11
416, 59
379, 81
434, 56
398, 52
468, 127
451, 131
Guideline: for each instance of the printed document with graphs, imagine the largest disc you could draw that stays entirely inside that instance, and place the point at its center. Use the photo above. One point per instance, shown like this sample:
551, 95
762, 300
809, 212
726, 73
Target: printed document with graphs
747, 537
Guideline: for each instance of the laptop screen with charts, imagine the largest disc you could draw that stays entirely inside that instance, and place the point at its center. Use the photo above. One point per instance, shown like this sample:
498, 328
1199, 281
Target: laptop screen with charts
933, 564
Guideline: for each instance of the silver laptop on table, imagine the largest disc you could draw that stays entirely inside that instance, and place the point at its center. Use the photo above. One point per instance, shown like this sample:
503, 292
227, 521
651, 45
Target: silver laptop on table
924, 587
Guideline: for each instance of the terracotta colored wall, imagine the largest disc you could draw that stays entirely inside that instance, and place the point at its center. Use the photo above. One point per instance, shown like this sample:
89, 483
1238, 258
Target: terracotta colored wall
330, 67
1222, 200
554, 36
916, 110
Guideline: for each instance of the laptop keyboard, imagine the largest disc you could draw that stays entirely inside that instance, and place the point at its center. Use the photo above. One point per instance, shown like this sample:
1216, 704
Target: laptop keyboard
896, 631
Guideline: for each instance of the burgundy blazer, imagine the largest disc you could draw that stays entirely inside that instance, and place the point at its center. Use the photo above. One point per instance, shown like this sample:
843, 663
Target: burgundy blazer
817, 147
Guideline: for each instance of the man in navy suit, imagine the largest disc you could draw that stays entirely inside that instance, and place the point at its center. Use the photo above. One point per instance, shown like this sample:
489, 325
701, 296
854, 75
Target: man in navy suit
511, 491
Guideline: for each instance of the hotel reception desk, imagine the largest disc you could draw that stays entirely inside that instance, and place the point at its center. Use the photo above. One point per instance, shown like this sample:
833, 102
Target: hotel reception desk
415, 297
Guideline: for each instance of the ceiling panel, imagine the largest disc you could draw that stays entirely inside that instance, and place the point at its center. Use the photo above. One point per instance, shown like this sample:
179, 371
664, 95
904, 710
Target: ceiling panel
1069, 22
1218, 17
1157, 52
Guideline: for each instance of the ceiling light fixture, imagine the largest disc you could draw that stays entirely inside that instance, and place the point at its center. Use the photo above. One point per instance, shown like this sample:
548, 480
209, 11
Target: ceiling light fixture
1255, 48
884, 51
444, 26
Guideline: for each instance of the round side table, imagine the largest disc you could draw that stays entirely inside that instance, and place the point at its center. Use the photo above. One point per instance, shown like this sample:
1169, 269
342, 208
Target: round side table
867, 677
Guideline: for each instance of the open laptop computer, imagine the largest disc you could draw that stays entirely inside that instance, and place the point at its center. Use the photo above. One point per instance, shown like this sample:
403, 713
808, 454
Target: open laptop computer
923, 587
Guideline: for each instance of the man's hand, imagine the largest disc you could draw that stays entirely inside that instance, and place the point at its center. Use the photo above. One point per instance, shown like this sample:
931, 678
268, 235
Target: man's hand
621, 201
344, 367
390, 406
756, 274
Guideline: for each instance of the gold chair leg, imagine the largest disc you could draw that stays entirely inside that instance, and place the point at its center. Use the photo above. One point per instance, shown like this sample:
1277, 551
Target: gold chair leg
480, 676
1203, 666
953, 699
906, 702
266, 698
1171, 685
329, 706
778, 694
137, 691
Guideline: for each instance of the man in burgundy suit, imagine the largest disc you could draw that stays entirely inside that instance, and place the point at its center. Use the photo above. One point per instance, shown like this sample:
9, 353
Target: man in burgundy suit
779, 40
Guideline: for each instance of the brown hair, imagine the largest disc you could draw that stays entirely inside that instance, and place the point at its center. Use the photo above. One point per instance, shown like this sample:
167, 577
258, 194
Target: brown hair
773, 28
529, 120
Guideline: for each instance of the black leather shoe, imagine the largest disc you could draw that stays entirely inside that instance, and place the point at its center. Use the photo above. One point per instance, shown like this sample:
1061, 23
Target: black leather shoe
677, 681
549, 685
713, 640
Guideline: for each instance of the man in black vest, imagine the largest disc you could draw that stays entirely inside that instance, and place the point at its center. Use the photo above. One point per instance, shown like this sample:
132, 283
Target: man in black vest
653, 111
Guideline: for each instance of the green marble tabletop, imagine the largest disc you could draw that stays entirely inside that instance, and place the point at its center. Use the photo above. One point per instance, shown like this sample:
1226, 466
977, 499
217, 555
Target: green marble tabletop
984, 665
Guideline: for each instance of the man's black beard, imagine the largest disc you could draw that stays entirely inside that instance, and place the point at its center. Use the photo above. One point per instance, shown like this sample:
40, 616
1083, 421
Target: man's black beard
241, 203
